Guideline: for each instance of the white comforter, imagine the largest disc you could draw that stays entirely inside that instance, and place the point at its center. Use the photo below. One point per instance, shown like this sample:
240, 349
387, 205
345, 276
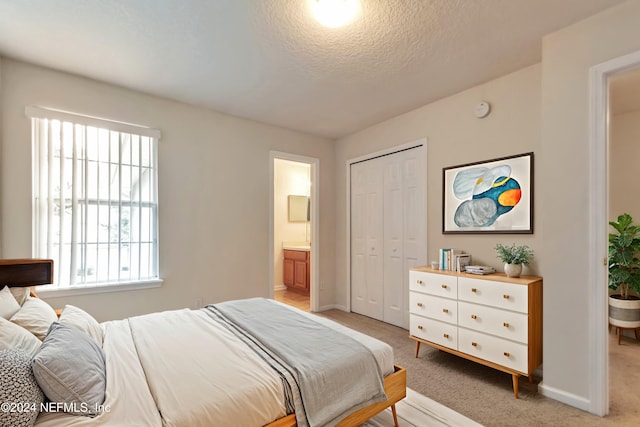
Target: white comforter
127, 396
178, 368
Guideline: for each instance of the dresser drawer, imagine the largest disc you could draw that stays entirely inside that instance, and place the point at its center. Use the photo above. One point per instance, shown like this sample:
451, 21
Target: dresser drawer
506, 324
434, 284
433, 307
497, 350
432, 330
508, 296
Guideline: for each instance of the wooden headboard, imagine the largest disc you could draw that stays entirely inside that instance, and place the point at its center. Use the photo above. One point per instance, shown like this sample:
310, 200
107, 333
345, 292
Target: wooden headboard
25, 272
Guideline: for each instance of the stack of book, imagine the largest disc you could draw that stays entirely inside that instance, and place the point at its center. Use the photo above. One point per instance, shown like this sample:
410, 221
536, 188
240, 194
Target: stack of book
453, 259
479, 269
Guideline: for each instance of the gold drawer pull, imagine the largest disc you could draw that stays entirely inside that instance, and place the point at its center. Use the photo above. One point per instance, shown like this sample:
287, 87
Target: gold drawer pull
419, 282
473, 316
505, 296
446, 335
475, 344
445, 310
420, 327
506, 353
444, 286
474, 290
419, 304
505, 324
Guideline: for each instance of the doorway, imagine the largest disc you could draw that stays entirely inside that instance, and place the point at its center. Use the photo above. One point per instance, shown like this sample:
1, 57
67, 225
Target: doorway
293, 230
600, 179
624, 153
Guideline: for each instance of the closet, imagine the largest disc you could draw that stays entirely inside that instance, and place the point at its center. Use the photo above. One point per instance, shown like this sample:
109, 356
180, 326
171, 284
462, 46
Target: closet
388, 237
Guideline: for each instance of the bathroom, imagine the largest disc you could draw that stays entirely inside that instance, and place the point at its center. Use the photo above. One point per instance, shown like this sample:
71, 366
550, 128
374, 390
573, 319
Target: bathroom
292, 232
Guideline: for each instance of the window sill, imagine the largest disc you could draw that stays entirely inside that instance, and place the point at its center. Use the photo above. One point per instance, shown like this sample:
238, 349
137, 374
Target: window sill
53, 291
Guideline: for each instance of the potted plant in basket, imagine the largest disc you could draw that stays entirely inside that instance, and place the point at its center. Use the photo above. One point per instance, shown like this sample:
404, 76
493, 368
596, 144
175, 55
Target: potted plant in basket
514, 257
624, 273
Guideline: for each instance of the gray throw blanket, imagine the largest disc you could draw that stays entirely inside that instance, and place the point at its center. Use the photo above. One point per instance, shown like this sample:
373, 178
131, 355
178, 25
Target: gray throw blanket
336, 374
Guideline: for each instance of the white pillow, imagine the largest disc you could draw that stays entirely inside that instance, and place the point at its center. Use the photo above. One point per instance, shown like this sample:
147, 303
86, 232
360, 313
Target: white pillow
13, 336
20, 293
8, 304
36, 316
83, 321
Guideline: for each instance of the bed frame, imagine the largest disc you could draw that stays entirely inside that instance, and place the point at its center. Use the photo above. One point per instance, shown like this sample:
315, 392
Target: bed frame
34, 272
395, 386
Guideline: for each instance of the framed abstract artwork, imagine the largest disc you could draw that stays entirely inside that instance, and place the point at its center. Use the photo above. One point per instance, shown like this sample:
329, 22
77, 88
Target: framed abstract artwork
491, 196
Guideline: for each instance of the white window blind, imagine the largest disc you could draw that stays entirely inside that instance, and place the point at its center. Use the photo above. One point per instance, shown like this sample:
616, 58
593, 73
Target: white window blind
95, 198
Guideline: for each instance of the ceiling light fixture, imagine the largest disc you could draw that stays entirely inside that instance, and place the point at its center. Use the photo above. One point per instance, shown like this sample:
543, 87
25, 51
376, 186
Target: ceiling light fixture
335, 13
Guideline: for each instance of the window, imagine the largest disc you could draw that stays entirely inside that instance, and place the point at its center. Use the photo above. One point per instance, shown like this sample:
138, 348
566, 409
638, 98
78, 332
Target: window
95, 209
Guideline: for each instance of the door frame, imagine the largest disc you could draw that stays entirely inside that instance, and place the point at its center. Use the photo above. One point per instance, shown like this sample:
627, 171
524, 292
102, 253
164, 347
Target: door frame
422, 142
315, 222
598, 225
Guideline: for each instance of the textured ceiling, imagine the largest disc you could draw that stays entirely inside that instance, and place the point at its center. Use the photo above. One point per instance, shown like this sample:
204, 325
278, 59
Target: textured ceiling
269, 61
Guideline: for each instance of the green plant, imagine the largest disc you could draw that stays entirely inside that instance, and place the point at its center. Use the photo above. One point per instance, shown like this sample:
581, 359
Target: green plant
624, 264
514, 254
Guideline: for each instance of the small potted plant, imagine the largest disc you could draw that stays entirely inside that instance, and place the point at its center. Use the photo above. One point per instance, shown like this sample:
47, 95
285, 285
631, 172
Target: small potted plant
514, 257
624, 273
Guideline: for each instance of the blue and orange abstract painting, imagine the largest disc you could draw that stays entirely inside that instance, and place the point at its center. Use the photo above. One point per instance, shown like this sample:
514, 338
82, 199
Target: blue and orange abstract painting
491, 192
482, 196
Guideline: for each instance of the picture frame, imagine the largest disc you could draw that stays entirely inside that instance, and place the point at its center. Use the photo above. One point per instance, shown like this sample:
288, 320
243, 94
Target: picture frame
489, 196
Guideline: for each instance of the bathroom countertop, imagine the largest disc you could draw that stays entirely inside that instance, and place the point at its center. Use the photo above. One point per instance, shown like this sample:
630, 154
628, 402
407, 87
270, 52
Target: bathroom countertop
296, 246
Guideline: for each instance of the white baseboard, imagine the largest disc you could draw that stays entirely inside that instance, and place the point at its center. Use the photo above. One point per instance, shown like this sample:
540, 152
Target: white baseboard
564, 397
279, 287
332, 307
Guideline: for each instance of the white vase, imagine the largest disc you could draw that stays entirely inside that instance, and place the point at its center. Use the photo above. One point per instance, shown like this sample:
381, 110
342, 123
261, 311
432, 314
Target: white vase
624, 313
513, 270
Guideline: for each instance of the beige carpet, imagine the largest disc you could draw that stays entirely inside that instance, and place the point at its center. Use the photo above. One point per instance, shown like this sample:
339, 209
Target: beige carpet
416, 410
485, 395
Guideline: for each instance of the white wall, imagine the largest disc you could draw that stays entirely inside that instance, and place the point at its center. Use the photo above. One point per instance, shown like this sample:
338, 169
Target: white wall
290, 178
454, 136
564, 195
213, 189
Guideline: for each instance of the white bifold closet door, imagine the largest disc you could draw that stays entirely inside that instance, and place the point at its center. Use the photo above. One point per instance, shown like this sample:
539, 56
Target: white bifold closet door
388, 236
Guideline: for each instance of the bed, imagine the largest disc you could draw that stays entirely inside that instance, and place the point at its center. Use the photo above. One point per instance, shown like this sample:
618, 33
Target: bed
252, 362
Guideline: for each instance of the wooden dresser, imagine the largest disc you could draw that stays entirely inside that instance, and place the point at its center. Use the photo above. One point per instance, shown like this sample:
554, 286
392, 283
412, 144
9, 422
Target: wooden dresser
490, 319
